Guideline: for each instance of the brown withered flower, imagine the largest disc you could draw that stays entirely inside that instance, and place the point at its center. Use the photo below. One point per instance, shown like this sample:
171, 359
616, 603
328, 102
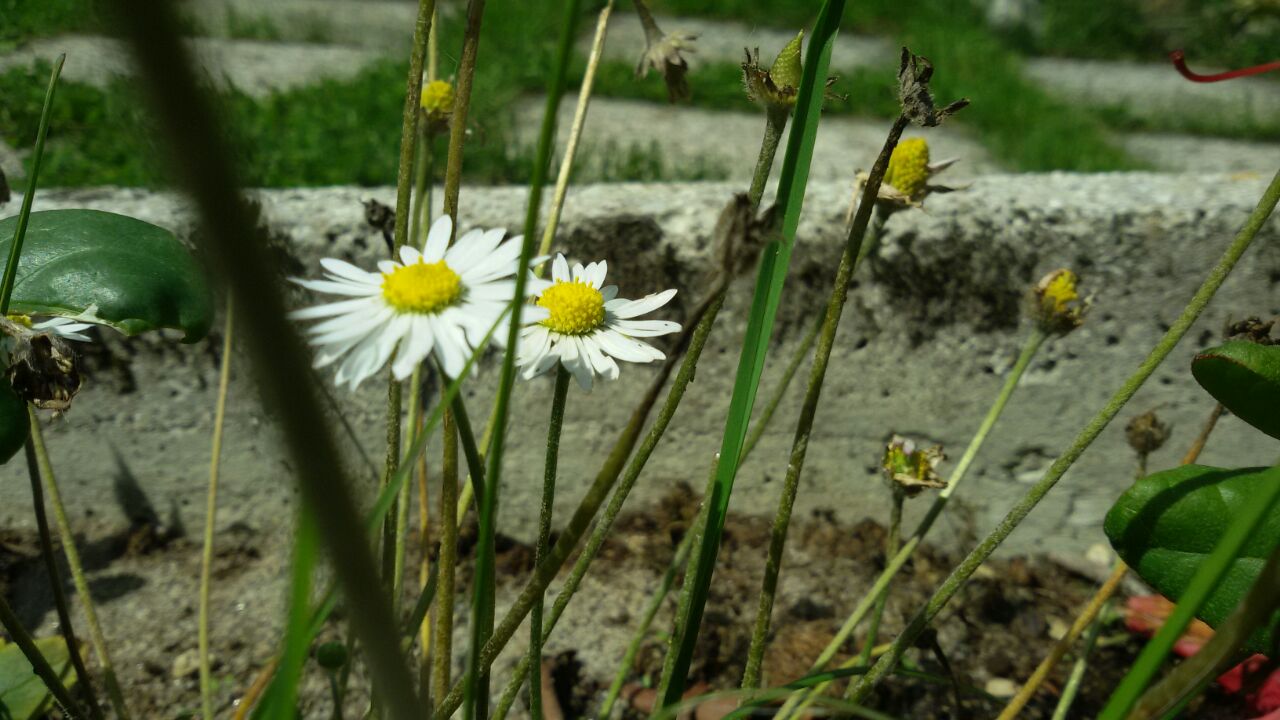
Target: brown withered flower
1146, 433
910, 469
1253, 329
914, 73
40, 363
662, 53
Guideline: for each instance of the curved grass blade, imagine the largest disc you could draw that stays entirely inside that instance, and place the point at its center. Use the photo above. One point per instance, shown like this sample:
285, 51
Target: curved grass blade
772, 273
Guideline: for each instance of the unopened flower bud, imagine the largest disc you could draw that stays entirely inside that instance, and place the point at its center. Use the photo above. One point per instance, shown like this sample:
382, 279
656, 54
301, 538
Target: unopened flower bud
1055, 303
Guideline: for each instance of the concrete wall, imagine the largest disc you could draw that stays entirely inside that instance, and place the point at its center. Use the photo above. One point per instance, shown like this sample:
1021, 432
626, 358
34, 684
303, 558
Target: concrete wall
931, 327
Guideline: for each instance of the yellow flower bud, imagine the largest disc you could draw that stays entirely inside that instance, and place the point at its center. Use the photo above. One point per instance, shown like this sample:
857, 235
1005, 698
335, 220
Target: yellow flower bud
1056, 304
437, 99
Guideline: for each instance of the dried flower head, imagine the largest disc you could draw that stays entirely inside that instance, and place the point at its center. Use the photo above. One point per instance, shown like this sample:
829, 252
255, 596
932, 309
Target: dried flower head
662, 53
1056, 305
775, 88
910, 469
1146, 433
437, 103
1253, 329
39, 361
914, 73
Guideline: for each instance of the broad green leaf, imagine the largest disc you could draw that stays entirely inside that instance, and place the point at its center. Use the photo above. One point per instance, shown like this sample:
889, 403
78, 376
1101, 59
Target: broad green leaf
23, 694
1245, 377
14, 424
1166, 524
138, 275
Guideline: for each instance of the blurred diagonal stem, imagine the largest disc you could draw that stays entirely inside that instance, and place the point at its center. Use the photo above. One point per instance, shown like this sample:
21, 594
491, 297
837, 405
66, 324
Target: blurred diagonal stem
558, 397
78, 578
804, 426
960, 575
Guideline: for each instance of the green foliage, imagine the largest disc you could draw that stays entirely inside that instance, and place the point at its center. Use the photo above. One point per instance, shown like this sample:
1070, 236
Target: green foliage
14, 423
138, 275
1244, 377
23, 695
21, 19
1168, 524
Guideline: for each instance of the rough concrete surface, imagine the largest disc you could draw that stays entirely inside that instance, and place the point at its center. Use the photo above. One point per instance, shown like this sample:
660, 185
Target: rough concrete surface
1185, 153
722, 142
928, 333
254, 67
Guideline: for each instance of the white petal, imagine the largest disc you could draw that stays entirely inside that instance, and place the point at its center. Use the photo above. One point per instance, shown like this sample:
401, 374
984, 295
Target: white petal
601, 363
414, 348
644, 328
409, 254
502, 290
347, 271
597, 277
578, 271
608, 293
438, 239
625, 348
472, 248
336, 287
500, 263
451, 347
646, 304
534, 343
580, 365
387, 266
560, 269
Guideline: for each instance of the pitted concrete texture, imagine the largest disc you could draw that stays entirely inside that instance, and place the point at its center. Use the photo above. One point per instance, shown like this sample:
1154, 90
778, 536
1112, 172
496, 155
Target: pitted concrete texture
930, 329
716, 142
254, 67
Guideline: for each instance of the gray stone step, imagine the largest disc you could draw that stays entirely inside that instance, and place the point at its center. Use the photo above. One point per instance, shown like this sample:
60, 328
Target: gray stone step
727, 143
1187, 153
930, 329
384, 26
255, 67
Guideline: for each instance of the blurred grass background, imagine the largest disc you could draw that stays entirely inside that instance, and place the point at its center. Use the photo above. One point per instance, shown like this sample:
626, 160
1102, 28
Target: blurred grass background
344, 132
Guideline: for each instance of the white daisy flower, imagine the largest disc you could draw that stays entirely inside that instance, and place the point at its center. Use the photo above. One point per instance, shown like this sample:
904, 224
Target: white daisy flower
443, 299
588, 325
67, 328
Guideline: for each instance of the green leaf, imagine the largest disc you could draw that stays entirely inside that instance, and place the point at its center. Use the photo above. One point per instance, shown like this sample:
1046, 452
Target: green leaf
23, 694
1245, 377
1167, 524
138, 275
14, 425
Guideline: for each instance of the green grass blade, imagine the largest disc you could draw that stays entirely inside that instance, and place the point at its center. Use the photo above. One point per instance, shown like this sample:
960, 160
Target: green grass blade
1202, 585
477, 679
19, 233
282, 696
774, 262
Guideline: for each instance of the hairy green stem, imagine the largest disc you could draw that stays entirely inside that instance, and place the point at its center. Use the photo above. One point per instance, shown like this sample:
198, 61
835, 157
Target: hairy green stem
24, 214
650, 612
890, 549
55, 583
605, 481
559, 394
211, 515
899, 559
804, 426
1072, 688
774, 122
461, 108
78, 578
9, 621
442, 630
1217, 275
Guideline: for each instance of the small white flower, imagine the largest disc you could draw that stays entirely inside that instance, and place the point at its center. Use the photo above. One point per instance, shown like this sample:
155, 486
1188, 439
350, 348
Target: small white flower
443, 299
68, 328
589, 325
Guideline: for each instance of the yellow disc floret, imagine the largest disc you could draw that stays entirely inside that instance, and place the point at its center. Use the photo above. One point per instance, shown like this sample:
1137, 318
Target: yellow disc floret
23, 320
1060, 291
576, 307
421, 287
909, 167
437, 99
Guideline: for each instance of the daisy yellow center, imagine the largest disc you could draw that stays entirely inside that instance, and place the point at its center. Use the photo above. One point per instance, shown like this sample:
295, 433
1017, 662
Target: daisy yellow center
23, 320
421, 287
576, 308
437, 98
909, 167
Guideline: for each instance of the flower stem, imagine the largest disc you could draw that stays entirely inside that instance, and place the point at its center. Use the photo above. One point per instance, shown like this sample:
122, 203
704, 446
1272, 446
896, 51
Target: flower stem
442, 660
211, 513
804, 426
55, 583
96, 637
899, 559
1076, 678
461, 107
1060, 648
9, 621
650, 612
24, 214
544, 535
774, 123
574, 529
1217, 275
890, 549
